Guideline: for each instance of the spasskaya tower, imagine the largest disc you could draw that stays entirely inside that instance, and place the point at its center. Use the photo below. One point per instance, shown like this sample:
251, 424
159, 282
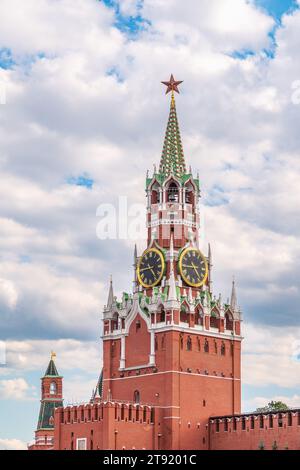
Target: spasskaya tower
171, 344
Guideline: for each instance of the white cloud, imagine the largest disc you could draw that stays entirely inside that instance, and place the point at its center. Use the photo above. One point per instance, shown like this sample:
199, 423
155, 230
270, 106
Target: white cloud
8, 293
71, 354
14, 389
12, 444
264, 347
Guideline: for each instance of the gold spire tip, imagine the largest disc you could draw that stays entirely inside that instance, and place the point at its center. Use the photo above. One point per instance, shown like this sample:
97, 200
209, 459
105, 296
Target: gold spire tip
53, 355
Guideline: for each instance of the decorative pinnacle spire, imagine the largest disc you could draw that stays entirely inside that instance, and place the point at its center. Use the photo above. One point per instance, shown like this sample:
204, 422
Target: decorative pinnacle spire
233, 301
110, 299
172, 159
53, 355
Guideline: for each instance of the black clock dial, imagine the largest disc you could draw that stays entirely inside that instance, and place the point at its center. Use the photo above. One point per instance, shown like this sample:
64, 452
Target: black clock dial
150, 268
193, 267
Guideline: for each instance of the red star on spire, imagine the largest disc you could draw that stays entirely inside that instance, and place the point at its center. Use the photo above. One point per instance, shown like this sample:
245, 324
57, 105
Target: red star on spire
172, 85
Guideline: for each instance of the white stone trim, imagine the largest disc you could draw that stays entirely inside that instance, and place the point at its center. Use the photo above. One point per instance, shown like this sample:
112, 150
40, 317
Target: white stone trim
172, 372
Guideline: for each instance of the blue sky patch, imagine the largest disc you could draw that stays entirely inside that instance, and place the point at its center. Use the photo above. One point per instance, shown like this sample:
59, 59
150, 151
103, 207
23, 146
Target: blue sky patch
130, 25
6, 59
82, 180
277, 8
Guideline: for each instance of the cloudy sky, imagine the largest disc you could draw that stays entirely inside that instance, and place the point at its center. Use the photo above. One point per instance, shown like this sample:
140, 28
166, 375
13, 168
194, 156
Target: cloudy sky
82, 117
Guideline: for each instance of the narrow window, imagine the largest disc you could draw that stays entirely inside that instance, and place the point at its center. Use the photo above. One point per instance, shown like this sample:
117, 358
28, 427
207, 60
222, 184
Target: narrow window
189, 344
243, 423
270, 421
136, 397
261, 421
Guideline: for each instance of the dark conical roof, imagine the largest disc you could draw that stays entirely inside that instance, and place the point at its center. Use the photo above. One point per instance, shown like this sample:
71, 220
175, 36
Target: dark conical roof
51, 369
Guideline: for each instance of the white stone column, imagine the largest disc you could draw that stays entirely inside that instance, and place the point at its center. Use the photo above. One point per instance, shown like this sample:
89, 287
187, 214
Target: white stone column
152, 348
123, 357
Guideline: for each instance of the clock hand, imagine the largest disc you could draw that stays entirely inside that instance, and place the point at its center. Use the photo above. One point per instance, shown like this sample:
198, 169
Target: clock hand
146, 269
196, 269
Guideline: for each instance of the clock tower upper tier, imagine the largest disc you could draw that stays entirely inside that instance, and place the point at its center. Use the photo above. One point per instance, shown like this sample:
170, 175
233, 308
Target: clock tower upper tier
172, 192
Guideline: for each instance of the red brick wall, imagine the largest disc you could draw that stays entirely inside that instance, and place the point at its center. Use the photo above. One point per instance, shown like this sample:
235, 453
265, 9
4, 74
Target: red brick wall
286, 436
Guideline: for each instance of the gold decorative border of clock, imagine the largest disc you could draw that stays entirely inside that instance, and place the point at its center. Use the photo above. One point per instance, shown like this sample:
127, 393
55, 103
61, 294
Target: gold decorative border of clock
163, 267
182, 254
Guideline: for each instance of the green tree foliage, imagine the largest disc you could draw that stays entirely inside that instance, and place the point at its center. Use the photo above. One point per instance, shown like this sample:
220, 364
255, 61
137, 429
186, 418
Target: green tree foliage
273, 406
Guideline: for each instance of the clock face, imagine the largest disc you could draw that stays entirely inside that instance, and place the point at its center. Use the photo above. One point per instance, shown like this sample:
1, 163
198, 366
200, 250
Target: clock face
150, 268
193, 267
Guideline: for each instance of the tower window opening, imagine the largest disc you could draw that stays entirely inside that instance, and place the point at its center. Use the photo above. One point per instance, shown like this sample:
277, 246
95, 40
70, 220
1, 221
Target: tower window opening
122, 412
137, 325
189, 344
290, 419
53, 388
223, 349
252, 422
217, 426
234, 424
173, 193
225, 425
206, 346
280, 423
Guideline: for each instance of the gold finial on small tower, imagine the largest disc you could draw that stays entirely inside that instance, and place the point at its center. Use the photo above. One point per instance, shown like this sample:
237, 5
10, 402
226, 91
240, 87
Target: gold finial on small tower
53, 355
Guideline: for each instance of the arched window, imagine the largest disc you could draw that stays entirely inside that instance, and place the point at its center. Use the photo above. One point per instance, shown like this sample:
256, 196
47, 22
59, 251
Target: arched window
136, 397
122, 411
181, 341
115, 322
280, 420
216, 346
206, 346
198, 344
214, 320
173, 193
161, 316
53, 388
252, 422
234, 424
290, 419
183, 315
223, 349
189, 344
228, 321
199, 317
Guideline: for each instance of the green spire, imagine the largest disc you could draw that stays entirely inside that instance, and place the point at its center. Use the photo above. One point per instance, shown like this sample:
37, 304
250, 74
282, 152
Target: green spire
172, 159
